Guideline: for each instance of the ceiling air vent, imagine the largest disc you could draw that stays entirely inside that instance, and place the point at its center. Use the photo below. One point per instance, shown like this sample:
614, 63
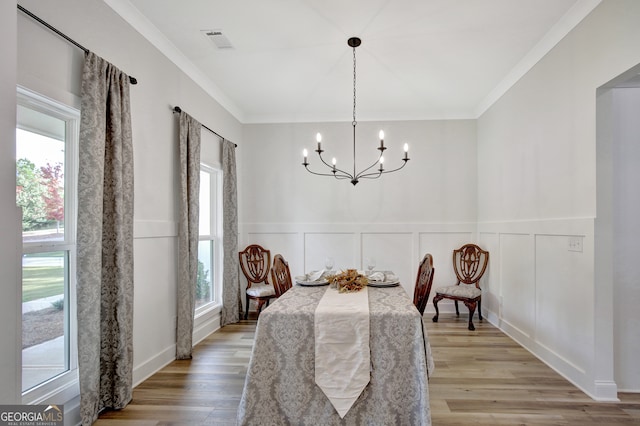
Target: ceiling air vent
218, 38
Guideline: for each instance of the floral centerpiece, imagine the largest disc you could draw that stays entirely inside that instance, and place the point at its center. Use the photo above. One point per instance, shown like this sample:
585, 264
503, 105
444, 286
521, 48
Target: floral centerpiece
348, 281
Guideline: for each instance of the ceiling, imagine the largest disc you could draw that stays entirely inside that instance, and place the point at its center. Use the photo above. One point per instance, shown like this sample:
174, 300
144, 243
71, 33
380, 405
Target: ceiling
419, 59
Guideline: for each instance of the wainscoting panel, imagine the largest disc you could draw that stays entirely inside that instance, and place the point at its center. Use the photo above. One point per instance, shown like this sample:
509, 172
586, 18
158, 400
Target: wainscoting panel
154, 309
541, 291
518, 282
490, 282
154, 229
564, 296
393, 252
341, 246
288, 244
441, 246
395, 246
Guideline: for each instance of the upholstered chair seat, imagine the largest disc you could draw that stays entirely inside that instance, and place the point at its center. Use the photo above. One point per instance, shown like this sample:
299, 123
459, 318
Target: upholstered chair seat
261, 290
462, 290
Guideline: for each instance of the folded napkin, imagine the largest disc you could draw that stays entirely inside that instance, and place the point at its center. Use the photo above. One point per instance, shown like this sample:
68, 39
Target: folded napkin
380, 276
315, 275
342, 354
376, 276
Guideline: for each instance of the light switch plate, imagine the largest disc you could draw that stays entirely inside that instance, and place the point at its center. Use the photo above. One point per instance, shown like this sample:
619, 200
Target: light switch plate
575, 244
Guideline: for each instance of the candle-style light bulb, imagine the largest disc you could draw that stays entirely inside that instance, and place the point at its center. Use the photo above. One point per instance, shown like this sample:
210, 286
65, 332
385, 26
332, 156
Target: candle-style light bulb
406, 151
381, 136
304, 154
333, 161
381, 163
319, 139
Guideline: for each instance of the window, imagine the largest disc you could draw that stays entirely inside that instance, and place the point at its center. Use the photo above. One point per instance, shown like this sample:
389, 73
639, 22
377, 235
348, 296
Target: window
46, 142
210, 246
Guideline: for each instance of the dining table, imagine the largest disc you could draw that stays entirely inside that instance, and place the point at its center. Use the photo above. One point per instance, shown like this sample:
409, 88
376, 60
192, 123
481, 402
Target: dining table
281, 385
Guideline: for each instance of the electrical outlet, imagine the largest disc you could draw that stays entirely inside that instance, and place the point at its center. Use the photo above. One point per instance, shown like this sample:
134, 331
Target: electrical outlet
575, 244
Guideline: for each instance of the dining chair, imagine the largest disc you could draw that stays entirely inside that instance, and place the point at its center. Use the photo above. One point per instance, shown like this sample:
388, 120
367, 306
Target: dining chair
255, 262
424, 280
469, 264
280, 275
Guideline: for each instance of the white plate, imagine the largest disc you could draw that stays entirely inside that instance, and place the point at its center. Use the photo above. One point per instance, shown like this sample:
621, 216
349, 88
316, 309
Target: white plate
301, 280
393, 283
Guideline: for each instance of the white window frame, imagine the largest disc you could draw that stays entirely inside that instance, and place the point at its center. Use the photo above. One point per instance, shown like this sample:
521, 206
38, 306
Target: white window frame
216, 236
64, 386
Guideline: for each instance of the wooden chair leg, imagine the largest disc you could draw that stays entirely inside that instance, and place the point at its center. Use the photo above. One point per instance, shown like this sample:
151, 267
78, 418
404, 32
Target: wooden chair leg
480, 309
260, 304
246, 309
436, 299
457, 311
472, 310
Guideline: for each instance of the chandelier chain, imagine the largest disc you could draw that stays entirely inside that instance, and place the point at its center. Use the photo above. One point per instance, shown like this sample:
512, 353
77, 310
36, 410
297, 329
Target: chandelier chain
354, 87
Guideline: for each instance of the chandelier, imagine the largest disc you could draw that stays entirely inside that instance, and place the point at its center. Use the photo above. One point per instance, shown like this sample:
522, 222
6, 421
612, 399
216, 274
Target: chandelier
368, 173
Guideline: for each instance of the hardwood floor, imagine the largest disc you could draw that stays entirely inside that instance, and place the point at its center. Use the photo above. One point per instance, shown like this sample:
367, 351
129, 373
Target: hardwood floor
485, 378
481, 378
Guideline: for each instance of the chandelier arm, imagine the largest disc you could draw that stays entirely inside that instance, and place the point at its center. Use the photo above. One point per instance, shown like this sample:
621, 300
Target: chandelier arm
363, 172
330, 166
395, 170
326, 174
378, 173
322, 159
371, 176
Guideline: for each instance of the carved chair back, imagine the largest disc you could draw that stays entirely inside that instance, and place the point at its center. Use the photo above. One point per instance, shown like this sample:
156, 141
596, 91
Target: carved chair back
255, 262
280, 275
424, 280
469, 264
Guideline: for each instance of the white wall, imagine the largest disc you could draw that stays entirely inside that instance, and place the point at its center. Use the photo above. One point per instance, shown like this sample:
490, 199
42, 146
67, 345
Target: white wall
429, 206
537, 197
10, 238
51, 66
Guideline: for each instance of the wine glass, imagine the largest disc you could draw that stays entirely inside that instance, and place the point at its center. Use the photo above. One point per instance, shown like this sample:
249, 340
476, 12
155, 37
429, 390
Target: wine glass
328, 263
371, 263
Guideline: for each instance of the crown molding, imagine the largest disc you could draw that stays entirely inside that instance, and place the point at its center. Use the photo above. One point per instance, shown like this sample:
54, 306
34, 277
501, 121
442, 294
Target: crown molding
140, 23
568, 22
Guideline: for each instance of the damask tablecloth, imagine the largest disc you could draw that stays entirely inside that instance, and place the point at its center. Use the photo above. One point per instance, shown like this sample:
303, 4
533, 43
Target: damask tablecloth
280, 388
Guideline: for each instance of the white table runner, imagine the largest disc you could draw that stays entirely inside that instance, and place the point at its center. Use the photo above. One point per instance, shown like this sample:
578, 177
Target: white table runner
342, 355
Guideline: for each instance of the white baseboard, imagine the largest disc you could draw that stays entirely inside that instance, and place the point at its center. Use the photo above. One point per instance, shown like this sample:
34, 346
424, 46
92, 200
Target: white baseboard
605, 391
152, 365
72, 412
602, 390
205, 328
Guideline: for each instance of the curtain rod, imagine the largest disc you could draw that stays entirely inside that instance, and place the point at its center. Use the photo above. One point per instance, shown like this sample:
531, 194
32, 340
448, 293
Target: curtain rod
132, 80
177, 109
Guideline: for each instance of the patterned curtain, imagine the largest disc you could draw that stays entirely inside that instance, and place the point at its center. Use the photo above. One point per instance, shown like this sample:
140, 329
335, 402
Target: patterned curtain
232, 298
105, 240
190, 130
